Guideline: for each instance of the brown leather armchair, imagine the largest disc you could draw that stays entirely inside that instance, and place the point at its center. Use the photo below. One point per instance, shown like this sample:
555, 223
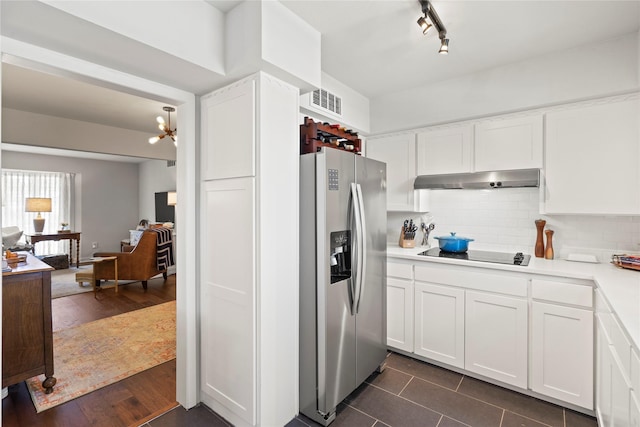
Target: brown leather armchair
139, 264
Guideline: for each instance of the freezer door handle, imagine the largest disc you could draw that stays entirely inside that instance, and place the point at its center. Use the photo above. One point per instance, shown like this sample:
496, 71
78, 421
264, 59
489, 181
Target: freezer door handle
362, 264
354, 289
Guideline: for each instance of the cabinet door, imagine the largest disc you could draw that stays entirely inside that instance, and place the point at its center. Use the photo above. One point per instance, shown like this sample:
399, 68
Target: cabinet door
504, 144
228, 132
228, 350
603, 374
399, 153
442, 151
400, 314
562, 353
634, 411
440, 323
620, 393
592, 159
496, 337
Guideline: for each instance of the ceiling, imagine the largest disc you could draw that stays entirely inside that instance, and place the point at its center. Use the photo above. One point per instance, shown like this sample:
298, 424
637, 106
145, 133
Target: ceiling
376, 47
372, 46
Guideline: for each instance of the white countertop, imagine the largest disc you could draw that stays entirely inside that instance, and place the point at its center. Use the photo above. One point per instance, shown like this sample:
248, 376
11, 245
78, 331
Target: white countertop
620, 287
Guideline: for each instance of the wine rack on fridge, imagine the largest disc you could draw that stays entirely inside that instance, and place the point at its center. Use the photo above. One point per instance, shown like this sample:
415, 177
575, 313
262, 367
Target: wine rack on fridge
315, 135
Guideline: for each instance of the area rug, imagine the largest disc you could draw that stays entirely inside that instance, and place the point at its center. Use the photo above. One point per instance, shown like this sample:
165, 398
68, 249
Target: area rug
99, 353
63, 282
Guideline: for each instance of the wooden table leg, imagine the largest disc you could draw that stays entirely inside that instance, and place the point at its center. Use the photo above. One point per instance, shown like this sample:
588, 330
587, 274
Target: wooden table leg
115, 266
78, 253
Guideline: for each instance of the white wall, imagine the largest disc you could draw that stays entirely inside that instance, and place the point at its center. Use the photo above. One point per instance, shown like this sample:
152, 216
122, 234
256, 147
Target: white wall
590, 71
199, 25
503, 220
267, 36
21, 127
107, 194
355, 107
155, 177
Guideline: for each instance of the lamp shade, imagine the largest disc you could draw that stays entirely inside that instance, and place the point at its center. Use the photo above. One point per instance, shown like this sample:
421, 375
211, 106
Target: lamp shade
37, 204
172, 198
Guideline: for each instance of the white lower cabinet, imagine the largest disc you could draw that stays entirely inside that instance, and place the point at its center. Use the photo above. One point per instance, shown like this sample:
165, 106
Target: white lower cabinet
634, 411
562, 353
496, 337
616, 403
531, 332
603, 374
439, 323
620, 392
400, 314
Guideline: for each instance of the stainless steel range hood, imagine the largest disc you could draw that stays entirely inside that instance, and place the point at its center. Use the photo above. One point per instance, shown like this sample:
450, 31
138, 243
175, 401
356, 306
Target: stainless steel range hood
480, 180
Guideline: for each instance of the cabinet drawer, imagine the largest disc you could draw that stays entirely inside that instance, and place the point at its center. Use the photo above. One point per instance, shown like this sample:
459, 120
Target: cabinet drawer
403, 271
565, 293
472, 279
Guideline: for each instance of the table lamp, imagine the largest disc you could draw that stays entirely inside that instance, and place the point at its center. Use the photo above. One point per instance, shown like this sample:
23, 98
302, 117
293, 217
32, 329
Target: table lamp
172, 198
38, 204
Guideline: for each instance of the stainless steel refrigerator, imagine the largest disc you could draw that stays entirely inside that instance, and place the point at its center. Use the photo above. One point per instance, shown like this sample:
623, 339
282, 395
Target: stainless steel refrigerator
343, 240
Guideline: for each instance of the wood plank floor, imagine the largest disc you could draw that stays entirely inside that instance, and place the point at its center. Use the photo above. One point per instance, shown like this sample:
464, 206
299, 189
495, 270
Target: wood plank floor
129, 402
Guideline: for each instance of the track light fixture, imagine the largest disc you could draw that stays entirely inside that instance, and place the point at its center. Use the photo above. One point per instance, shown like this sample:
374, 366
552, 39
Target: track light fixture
166, 128
424, 24
444, 47
430, 13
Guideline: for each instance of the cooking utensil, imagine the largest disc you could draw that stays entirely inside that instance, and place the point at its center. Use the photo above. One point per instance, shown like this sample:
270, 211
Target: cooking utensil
453, 243
426, 230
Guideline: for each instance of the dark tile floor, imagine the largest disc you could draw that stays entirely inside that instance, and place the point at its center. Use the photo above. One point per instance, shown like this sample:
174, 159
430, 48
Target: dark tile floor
413, 393
200, 416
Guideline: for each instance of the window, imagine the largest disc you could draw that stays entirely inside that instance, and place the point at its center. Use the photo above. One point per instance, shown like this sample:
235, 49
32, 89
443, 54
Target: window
18, 185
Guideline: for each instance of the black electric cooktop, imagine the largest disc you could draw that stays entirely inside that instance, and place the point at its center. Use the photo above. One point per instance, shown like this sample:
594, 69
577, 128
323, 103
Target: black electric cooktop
483, 256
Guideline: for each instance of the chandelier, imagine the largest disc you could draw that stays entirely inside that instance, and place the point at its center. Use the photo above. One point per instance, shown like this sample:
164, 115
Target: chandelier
166, 128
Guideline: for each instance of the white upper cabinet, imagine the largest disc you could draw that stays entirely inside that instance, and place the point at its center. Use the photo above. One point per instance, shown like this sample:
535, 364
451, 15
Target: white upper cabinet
442, 151
508, 143
228, 132
399, 153
592, 158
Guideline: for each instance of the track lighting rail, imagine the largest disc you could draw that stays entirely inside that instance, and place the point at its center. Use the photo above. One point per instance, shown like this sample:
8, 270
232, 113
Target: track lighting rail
430, 13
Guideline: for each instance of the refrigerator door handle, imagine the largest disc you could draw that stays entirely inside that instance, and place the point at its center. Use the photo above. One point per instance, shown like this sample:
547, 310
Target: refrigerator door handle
362, 249
355, 282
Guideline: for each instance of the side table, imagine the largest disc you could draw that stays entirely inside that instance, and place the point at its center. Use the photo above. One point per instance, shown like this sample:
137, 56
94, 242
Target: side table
71, 236
89, 276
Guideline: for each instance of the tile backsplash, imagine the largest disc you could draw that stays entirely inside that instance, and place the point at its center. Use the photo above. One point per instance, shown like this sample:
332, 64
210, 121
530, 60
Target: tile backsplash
503, 220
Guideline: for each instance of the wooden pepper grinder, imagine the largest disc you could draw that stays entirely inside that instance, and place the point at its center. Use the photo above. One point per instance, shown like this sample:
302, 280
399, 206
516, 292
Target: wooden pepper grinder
539, 252
548, 253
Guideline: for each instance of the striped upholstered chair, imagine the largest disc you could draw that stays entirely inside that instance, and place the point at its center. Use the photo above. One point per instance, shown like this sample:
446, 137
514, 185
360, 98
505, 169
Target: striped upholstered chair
139, 264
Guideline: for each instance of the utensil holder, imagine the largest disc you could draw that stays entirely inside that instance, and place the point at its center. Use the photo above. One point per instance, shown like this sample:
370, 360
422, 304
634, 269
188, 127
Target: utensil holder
406, 243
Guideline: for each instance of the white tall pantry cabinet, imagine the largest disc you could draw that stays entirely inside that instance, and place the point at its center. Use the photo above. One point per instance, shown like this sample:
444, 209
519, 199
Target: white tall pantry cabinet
249, 216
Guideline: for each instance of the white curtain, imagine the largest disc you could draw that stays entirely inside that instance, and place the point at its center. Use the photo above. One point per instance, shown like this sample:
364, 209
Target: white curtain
18, 185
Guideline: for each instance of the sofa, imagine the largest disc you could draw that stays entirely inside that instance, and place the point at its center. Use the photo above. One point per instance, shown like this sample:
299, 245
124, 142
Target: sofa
11, 240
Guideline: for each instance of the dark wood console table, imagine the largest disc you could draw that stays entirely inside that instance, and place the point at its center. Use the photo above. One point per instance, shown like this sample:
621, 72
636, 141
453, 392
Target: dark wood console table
71, 236
27, 336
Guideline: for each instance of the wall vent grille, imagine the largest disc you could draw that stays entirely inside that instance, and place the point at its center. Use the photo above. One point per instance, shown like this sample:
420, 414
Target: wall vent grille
327, 101
171, 163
